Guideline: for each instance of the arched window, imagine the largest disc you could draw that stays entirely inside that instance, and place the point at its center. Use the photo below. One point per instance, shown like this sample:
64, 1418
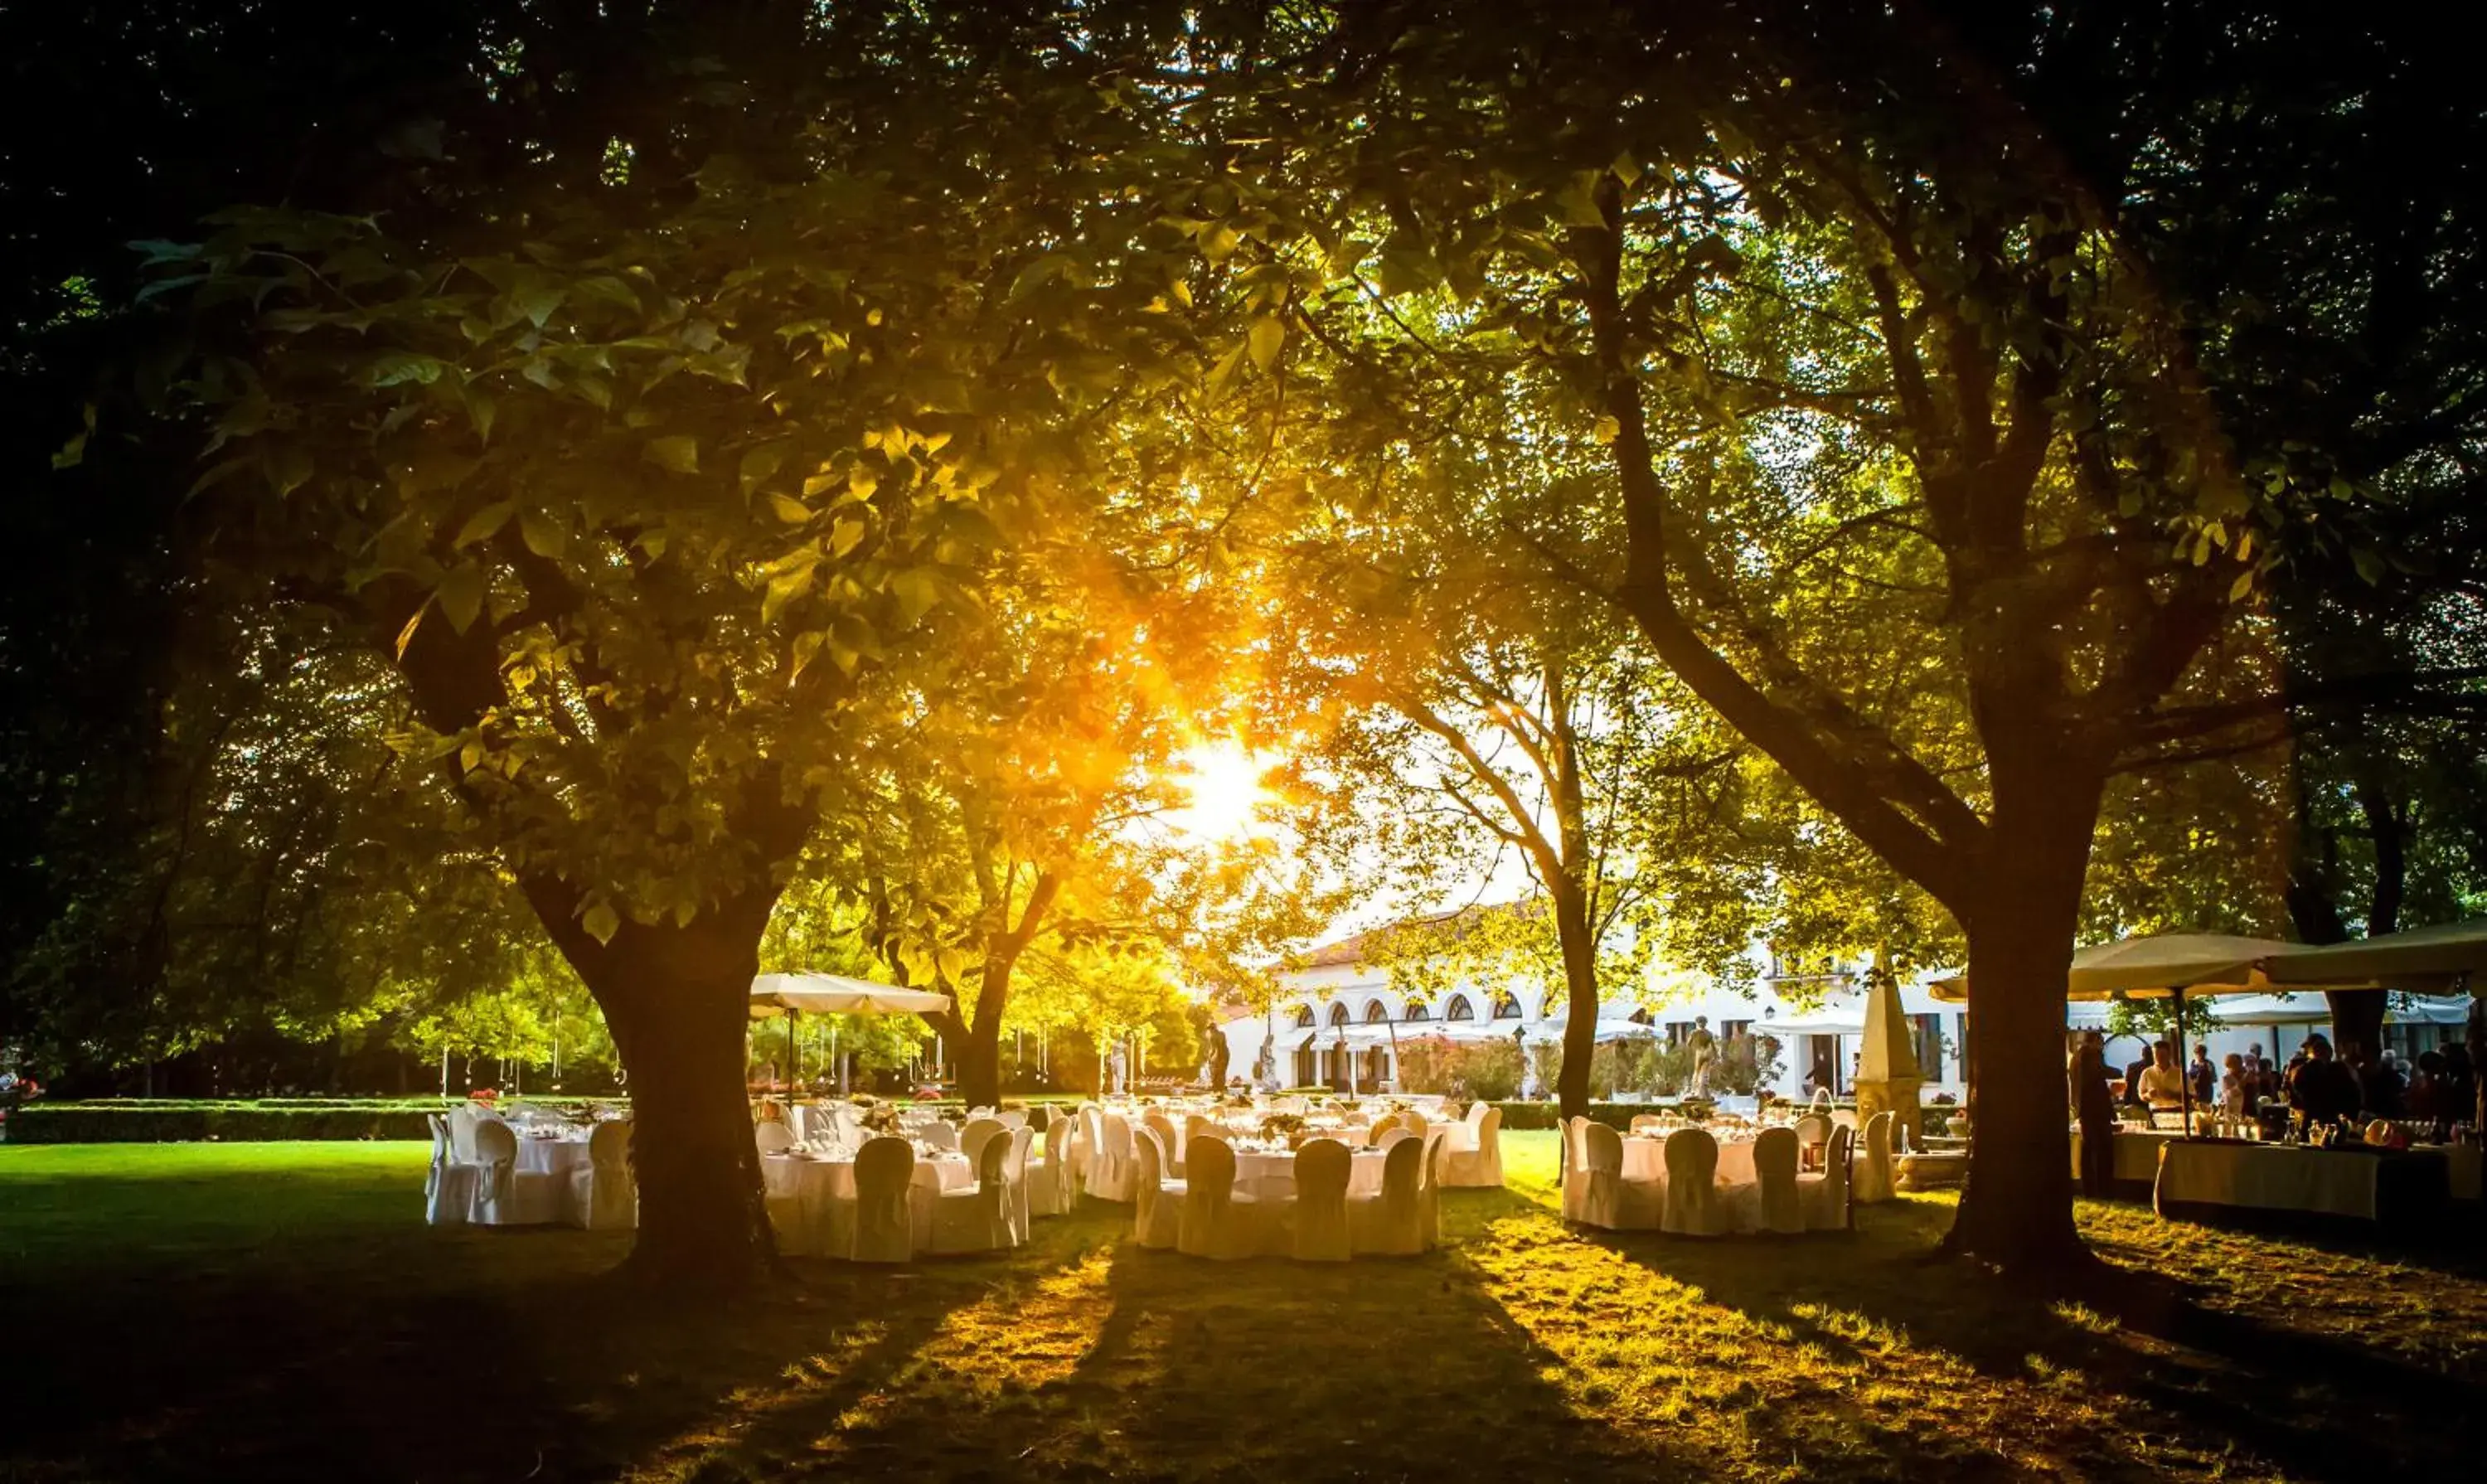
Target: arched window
1459, 1009
1376, 1012
1303, 1016
1505, 1008
1338, 1013
1417, 1012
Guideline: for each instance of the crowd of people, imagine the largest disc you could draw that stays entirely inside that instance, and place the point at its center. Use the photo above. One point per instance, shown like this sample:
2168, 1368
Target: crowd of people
2316, 1088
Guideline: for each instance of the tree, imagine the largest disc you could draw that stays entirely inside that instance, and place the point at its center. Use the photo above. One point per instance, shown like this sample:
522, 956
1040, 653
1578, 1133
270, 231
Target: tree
651, 504
1920, 486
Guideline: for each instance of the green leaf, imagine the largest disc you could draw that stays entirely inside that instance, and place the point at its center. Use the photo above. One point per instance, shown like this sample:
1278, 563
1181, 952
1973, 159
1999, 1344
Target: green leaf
481, 525
2244, 584
845, 534
545, 536
460, 594
287, 466
600, 921
759, 463
1224, 370
395, 367
917, 591
788, 509
678, 452
537, 299
1268, 335
71, 453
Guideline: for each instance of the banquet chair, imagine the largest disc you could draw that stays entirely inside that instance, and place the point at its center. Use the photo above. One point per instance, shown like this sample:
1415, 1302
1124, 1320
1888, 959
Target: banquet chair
972, 1138
1608, 1199
1392, 1221
506, 1195
1414, 1122
1015, 1181
462, 1121
884, 1216
1874, 1170
1575, 1178
1110, 1169
1825, 1197
1813, 1133
1323, 1166
978, 1219
772, 1137
1013, 1118
1382, 1126
1169, 1142
799, 1122
602, 1196
449, 1190
1771, 1204
1692, 1201
1475, 1160
1430, 1189
1218, 1219
938, 1134
1157, 1202
1043, 1175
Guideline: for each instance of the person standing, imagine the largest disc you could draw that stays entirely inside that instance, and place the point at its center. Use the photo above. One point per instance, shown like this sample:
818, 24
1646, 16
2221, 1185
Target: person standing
2205, 1078
2094, 1106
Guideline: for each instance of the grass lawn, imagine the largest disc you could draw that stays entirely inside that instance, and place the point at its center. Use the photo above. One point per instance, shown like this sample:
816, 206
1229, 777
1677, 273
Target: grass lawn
266, 1311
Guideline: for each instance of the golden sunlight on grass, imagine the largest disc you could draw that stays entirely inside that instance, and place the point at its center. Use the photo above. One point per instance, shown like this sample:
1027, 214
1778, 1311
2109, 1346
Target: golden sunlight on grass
1523, 1350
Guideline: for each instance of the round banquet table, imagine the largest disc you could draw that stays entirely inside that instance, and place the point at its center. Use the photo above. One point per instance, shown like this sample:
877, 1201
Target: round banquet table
824, 1195
1272, 1176
1645, 1158
551, 1156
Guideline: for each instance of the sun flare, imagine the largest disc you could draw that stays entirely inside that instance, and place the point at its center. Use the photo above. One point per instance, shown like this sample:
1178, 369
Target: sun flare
1221, 786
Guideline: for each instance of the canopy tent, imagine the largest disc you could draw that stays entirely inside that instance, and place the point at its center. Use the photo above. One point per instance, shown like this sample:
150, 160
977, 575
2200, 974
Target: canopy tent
774, 995
1826, 1021
2312, 1009
2419, 958
794, 994
2155, 967
1609, 1028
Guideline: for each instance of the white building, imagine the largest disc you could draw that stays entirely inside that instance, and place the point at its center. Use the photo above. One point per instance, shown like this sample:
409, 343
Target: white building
1339, 1019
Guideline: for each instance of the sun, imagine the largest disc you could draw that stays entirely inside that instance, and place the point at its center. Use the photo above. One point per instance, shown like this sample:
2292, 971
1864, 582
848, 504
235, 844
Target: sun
1221, 785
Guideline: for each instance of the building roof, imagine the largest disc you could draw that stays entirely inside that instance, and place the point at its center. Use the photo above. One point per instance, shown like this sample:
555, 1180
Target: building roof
1358, 947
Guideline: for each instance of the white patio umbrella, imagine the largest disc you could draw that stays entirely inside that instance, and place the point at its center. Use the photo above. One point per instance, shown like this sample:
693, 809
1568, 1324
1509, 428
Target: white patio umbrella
2157, 967
794, 994
2419, 958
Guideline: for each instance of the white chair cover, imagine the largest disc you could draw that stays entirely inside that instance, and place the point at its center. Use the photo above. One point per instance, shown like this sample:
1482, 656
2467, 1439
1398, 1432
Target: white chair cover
972, 1138
1608, 1199
506, 1195
1217, 1219
884, 1217
1042, 1172
1111, 1171
1770, 1203
1157, 1206
1576, 1166
978, 1219
449, 1190
799, 1122
1825, 1197
773, 1137
1874, 1170
1380, 1129
1693, 1204
602, 1196
938, 1134
1022, 1207
1013, 1118
1169, 1142
1392, 1221
1323, 1166
1480, 1163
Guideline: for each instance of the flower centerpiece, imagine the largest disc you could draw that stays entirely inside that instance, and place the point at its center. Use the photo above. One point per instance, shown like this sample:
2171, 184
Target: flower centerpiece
1287, 1127
879, 1118
487, 1096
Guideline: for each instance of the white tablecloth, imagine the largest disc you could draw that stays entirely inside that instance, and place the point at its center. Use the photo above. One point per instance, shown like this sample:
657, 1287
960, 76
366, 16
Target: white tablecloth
2136, 1152
551, 1156
1645, 1158
825, 1190
1272, 1176
2271, 1177
2462, 1168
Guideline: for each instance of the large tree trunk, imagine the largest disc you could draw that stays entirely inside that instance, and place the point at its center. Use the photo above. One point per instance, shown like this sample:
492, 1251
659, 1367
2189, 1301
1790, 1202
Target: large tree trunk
678, 1001
1580, 981
2017, 1211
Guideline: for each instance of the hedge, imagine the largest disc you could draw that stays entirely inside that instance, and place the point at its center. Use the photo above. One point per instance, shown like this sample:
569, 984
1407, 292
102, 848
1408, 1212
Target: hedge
166, 1121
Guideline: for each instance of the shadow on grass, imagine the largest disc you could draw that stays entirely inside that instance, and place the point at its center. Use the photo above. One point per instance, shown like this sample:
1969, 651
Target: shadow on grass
2184, 1374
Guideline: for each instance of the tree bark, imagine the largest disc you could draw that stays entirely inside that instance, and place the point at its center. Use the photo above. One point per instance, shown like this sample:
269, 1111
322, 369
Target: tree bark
1581, 982
678, 1000
2016, 1209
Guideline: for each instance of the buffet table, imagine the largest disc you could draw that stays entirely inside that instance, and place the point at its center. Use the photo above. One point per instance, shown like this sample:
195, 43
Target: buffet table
2351, 1181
